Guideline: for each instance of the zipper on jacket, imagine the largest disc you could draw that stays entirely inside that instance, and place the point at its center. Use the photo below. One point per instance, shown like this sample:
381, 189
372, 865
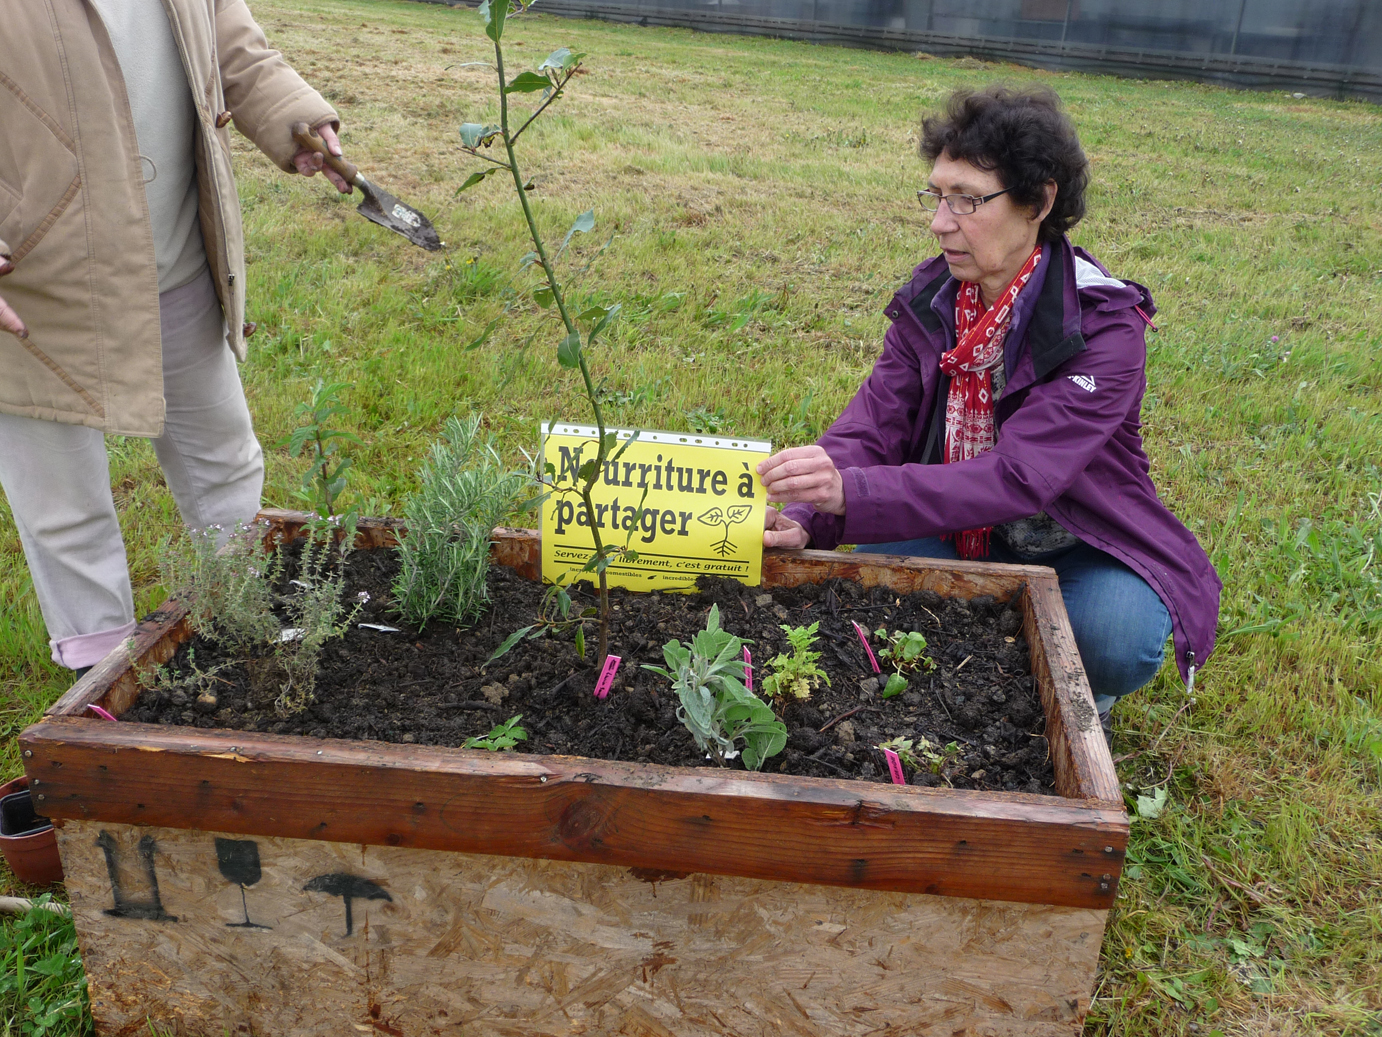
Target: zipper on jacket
1190, 671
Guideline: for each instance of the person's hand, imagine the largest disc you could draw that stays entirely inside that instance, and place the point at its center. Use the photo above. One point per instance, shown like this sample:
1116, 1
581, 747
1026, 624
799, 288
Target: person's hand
9, 320
804, 474
780, 531
309, 162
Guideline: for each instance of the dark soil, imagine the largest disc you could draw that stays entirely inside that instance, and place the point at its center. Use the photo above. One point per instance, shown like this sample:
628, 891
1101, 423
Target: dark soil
429, 688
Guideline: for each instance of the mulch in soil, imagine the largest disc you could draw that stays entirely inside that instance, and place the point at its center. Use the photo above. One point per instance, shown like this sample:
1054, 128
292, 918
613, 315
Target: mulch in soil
978, 708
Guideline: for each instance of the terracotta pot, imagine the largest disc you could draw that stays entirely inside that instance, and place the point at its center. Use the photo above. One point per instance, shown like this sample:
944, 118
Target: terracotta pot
32, 852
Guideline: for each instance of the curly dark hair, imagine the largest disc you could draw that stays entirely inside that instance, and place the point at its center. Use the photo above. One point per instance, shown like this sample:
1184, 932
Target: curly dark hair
1022, 135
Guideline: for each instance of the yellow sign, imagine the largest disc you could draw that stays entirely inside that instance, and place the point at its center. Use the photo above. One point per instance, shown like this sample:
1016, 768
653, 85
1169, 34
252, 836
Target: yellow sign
684, 504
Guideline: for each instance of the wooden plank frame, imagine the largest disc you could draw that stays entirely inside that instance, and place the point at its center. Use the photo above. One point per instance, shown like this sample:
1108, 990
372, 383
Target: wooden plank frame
1065, 850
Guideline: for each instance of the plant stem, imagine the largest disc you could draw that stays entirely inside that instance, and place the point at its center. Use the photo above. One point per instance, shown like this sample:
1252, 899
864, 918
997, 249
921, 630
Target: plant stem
571, 330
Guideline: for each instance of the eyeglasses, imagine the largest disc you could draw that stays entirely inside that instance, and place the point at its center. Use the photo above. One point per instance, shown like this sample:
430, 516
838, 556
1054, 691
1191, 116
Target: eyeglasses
960, 204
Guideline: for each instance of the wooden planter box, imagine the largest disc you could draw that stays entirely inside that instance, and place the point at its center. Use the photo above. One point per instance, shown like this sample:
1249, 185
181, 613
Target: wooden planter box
225, 881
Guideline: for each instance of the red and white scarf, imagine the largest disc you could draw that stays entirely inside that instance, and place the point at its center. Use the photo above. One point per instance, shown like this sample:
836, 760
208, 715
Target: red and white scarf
969, 407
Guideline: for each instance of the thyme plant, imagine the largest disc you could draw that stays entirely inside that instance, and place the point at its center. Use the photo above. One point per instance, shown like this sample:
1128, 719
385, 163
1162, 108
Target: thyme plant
549, 79
465, 492
228, 588
715, 706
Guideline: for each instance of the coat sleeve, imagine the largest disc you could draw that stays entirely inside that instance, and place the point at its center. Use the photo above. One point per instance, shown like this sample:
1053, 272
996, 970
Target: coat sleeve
1041, 449
262, 91
877, 429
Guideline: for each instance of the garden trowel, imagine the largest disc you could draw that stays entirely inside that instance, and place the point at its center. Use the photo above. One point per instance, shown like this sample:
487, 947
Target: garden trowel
379, 206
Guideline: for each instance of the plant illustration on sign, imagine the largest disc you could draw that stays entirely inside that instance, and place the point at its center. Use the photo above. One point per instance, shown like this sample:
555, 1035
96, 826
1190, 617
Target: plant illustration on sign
726, 517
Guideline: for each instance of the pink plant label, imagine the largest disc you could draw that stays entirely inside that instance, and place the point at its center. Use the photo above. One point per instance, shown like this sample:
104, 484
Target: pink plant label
100, 712
748, 670
864, 639
611, 667
895, 767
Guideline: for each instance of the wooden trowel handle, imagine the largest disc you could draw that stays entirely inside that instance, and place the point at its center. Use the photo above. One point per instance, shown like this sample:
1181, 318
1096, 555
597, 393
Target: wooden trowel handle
311, 140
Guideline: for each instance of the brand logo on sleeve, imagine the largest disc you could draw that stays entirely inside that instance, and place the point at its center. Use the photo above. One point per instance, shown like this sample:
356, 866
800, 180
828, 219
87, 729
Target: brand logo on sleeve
1083, 381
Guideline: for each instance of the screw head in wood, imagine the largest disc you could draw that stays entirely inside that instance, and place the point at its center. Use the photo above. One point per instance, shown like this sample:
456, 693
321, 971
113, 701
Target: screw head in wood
36, 781
542, 778
28, 753
40, 797
1108, 849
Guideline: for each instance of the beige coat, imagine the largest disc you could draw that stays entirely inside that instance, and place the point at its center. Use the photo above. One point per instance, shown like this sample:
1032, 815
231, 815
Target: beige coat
72, 207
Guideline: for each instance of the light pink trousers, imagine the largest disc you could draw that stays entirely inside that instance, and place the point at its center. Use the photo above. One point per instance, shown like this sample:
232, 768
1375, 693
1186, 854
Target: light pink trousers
57, 480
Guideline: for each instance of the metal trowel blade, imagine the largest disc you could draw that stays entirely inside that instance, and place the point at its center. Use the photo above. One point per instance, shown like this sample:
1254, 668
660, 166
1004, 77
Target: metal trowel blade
387, 211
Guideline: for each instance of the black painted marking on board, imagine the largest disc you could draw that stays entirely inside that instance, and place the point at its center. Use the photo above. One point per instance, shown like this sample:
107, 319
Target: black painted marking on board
348, 887
151, 908
239, 863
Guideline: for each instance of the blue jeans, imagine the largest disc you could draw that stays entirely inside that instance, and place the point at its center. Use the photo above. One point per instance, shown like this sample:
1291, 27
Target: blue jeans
1120, 624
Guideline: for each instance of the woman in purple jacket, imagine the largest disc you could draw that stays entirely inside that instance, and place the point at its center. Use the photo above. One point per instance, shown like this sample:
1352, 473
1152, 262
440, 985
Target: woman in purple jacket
1002, 420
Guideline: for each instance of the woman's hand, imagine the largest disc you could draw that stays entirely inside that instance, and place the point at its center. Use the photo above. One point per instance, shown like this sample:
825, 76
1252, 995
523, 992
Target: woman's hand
804, 474
309, 162
780, 531
9, 320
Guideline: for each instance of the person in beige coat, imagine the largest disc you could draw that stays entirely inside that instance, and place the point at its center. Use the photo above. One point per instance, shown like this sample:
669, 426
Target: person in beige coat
122, 283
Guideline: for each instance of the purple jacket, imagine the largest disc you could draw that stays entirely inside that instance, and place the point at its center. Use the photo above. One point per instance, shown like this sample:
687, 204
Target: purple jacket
1068, 440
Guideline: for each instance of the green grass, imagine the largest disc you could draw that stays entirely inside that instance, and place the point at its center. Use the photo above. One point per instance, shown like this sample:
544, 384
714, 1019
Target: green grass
759, 194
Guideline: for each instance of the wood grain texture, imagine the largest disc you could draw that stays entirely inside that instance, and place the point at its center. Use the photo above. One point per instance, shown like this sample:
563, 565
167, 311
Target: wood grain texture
112, 683
999, 846
1083, 764
484, 945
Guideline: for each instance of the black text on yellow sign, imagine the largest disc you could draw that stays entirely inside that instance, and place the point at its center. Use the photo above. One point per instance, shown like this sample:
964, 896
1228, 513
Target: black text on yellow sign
683, 504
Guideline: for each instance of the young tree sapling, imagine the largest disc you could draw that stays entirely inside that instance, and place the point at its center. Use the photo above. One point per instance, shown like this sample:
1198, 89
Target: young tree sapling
550, 79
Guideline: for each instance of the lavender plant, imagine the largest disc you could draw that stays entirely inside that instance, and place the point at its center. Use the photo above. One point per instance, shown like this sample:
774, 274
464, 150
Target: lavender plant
465, 492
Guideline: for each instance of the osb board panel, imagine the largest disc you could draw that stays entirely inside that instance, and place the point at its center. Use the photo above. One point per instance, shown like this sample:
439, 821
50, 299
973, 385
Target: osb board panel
304, 937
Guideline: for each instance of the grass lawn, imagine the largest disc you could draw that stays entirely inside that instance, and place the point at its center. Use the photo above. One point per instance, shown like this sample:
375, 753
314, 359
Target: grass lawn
753, 200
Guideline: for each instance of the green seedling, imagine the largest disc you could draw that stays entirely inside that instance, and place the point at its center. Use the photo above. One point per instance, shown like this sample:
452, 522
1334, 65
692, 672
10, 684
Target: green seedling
906, 651
325, 478
903, 748
500, 737
715, 706
796, 675
922, 753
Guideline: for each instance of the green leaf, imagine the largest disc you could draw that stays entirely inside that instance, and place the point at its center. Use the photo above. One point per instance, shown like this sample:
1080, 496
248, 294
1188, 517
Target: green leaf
610, 315
529, 258
494, 13
473, 134
584, 224
560, 59
569, 351
543, 296
1149, 808
594, 313
509, 642
476, 178
484, 335
896, 685
580, 642
527, 83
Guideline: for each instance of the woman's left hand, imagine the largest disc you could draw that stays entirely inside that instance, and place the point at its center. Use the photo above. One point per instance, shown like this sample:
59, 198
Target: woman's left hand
804, 474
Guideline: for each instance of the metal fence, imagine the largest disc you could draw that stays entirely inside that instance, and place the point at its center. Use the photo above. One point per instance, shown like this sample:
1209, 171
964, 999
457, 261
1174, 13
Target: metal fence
1320, 47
